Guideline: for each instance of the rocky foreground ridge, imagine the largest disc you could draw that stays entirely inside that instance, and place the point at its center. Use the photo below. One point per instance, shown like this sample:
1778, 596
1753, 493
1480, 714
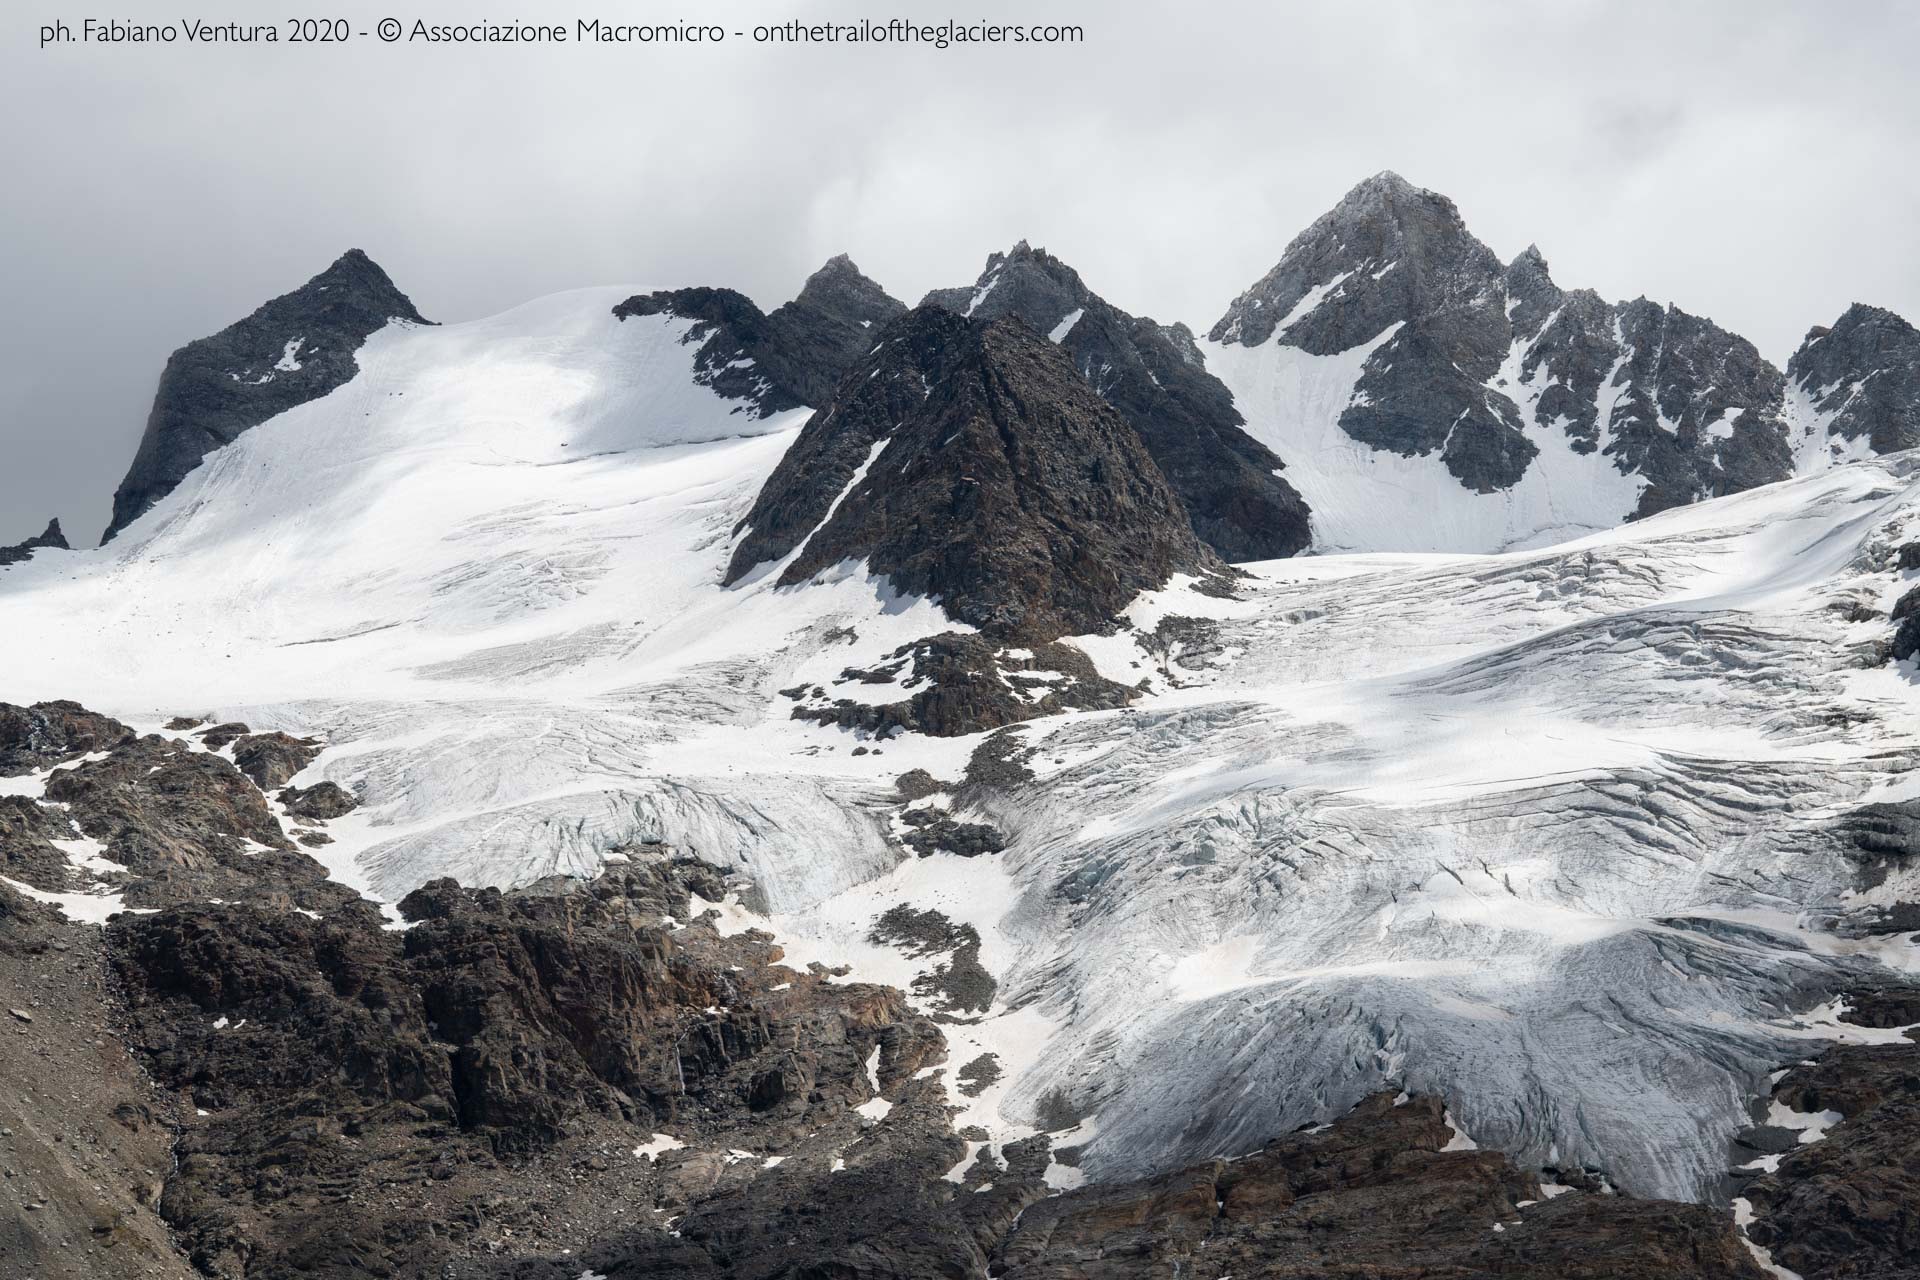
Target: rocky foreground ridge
249, 1071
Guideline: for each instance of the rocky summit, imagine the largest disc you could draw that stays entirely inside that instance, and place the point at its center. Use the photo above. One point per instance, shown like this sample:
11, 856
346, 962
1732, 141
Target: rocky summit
295, 349
1235, 492
51, 537
793, 357
1484, 364
1858, 386
968, 461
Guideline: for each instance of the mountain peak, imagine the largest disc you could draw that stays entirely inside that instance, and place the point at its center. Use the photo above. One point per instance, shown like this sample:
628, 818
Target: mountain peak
1387, 251
783, 360
53, 538
1239, 505
295, 348
1862, 314
1531, 292
1024, 281
1863, 375
1002, 484
1384, 185
840, 290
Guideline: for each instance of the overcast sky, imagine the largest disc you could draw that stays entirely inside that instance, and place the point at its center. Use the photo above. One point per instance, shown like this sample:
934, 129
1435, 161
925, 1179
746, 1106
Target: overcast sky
1753, 162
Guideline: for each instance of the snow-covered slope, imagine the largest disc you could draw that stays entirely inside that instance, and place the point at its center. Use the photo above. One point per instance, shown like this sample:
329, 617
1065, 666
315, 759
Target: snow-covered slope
491, 561
1552, 833
1365, 498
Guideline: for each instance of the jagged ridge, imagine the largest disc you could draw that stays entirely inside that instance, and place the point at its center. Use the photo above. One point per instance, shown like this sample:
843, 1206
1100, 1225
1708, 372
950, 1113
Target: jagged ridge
970, 462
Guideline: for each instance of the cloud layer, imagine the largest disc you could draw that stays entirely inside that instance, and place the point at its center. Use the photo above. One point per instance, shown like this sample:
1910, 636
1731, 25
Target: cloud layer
1749, 161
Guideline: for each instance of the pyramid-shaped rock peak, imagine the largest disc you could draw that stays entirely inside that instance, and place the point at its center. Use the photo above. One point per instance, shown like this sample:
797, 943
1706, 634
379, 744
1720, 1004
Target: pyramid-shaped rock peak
1386, 251
969, 461
1485, 364
1856, 386
1154, 375
296, 348
52, 538
842, 290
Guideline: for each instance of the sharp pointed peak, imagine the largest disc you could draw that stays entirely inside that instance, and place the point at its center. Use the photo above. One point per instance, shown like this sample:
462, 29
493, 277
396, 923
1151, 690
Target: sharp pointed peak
1862, 313
841, 287
838, 264
1387, 194
354, 271
1386, 187
1528, 272
1386, 180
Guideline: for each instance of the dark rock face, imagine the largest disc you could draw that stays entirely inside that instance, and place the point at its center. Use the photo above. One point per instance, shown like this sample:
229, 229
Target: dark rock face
1156, 378
512, 1047
188, 826
296, 348
1374, 1195
271, 759
1686, 380
793, 357
50, 537
830, 326
83, 1150
957, 683
1865, 373
1848, 1205
321, 802
49, 733
972, 463
177, 824
960, 984
1664, 395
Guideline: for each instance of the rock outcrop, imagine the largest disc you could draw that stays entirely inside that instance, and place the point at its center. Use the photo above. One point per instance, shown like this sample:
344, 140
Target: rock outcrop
1155, 377
1383, 1192
51, 537
970, 462
957, 683
1847, 1204
793, 357
296, 348
1860, 379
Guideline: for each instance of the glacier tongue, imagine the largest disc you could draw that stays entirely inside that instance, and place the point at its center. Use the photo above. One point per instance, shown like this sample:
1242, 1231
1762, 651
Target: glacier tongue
1550, 833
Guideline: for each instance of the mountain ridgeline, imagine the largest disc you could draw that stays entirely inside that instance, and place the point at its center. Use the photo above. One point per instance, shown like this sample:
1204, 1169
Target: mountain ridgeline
1484, 363
785, 360
1418, 344
969, 461
1236, 496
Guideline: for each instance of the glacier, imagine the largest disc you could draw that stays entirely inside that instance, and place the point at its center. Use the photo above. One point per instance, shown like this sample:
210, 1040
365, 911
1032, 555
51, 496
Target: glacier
1547, 832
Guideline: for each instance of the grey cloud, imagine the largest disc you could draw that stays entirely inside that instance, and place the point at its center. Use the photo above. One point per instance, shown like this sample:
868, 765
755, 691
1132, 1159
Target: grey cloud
1747, 160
